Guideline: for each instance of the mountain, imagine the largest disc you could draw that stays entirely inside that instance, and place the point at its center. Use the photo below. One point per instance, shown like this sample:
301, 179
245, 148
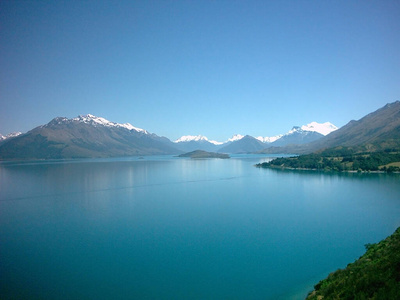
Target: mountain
91, 136
199, 142
84, 136
377, 131
235, 138
322, 128
297, 136
300, 135
268, 139
246, 144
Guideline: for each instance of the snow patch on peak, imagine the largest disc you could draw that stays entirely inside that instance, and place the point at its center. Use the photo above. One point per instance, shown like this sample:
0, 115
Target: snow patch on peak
189, 138
269, 139
236, 137
293, 130
91, 119
196, 138
322, 128
10, 135
215, 142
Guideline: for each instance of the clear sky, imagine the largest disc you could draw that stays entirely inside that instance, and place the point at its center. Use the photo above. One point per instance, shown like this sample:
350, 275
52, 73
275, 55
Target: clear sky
198, 67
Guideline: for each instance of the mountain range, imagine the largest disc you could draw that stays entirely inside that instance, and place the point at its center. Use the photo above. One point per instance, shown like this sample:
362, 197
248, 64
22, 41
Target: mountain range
248, 144
91, 136
377, 131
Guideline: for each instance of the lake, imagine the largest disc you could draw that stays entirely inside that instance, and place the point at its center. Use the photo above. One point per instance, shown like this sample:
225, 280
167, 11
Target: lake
177, 228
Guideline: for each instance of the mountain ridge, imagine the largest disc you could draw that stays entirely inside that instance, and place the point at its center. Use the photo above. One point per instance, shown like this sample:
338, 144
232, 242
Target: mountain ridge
321, 128
297, 135
91, 136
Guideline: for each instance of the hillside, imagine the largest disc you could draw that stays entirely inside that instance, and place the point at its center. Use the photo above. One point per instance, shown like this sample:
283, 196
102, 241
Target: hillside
379, 130
375, 275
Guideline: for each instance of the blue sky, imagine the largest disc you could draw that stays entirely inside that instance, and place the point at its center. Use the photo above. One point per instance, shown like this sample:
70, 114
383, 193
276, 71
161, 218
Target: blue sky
198, 67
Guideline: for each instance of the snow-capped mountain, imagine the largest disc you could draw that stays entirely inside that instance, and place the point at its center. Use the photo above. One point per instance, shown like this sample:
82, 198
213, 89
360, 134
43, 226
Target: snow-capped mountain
85, 136
196, 138
196, 142
244, 144
95, 121
376, 131
199, 138
10, 135
268, 140
297, 136
92, 136
235, 138
237, 143
322, 128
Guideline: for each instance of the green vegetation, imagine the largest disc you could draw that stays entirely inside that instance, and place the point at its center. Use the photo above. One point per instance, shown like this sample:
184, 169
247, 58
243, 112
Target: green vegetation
204, 154
341, 159
375, 275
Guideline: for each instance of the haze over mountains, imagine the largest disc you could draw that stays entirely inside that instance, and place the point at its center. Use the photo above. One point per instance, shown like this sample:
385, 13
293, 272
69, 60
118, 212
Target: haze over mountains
91, 136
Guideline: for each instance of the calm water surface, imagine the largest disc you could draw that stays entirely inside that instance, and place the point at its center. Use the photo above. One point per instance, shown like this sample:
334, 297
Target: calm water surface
172, 228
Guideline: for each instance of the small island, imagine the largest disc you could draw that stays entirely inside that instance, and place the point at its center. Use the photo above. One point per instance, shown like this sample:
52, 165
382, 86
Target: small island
204, 154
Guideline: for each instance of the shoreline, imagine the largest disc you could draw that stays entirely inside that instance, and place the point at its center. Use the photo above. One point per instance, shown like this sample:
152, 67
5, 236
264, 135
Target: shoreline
322, 170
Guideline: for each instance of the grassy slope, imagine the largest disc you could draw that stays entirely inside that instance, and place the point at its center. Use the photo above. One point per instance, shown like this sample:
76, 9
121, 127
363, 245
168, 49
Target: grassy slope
375, 275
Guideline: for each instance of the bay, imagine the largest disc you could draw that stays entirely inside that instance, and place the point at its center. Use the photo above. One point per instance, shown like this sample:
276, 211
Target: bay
177, 228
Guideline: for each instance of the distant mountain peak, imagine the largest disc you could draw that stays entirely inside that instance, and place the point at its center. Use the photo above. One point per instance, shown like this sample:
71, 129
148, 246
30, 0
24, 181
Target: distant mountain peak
10, 135
268, 139
95, 121
196, 138
322, 128
311, 130
188, 138
236, 137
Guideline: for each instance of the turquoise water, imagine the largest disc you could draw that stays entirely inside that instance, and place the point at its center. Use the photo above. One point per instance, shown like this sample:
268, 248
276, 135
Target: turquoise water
176, 228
